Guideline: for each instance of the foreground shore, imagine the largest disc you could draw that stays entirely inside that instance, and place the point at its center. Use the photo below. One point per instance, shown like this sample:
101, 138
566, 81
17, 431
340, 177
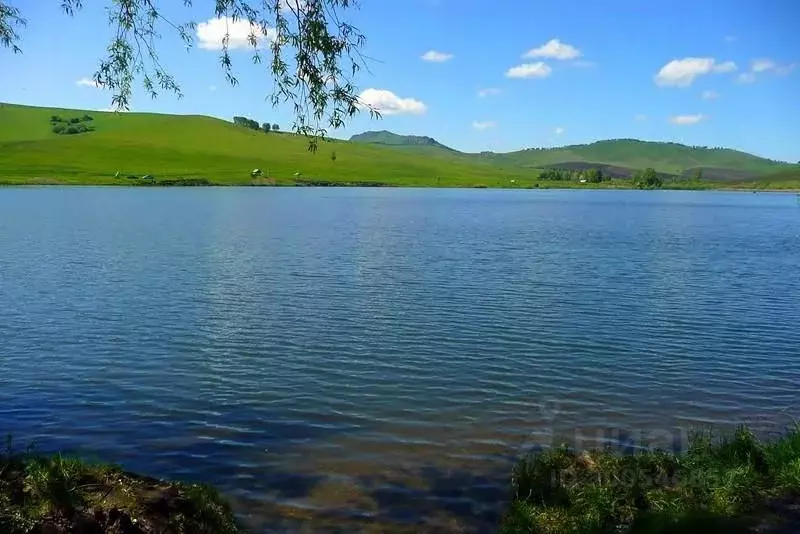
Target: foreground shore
55, 495
737, 484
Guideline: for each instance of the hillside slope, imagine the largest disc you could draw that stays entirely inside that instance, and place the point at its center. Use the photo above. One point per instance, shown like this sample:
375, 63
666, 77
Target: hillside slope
171, 146
621, 157
672, 158
384, 137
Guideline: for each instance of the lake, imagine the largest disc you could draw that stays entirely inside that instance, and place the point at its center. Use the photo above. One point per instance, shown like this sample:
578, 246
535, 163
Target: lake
339, 358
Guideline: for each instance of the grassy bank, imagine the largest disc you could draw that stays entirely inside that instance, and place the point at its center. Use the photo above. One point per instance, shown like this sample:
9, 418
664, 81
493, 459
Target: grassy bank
734, 485
56, 494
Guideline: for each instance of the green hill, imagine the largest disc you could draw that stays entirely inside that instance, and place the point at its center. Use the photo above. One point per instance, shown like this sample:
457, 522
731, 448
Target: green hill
384, 137
620, 157
670, 158
176, 147
187, 149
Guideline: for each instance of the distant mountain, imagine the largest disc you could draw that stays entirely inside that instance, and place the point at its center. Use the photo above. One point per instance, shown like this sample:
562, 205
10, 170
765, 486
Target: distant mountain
616, 157
384, 137
670, 158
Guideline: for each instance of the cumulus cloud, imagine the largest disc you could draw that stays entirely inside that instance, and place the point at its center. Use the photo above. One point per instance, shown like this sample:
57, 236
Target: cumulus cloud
682, 72
765, 66
554, 49
762, 65
710, 95
530, 70
725, 66
87, 82
687, 120
211, 34
489, 91
436, 57
559, 130
769, 65
640, 117
483, 125
388, 103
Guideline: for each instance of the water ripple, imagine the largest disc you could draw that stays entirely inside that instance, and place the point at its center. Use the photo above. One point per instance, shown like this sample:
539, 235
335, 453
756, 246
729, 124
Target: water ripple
340, 359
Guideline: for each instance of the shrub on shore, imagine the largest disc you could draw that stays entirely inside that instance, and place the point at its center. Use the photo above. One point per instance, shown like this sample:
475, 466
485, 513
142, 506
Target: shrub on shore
58, 494
728, 485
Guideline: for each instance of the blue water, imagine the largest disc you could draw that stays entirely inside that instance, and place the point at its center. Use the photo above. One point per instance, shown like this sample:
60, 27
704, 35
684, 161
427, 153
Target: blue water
380, 356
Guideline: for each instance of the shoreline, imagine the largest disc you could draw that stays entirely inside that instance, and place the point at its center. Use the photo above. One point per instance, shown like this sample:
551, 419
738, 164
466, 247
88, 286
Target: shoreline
335, 184
736, 483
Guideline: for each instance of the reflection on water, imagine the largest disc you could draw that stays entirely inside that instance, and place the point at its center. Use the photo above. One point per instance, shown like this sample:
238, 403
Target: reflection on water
376, 359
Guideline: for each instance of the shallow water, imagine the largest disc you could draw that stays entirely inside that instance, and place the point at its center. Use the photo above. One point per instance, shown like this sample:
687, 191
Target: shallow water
376, 358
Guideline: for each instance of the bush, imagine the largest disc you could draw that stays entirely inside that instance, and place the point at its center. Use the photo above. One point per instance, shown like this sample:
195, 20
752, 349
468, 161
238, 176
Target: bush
718, 485
74, 120
87, 118
56, 118
70, 128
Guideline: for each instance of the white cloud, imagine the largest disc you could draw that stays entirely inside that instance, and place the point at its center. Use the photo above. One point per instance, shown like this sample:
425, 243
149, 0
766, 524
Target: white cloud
489, 91
710, 95
746, 77
682, 72
762, 65
87, 82
559, 130
530, 70
554, 49
483, 125
211, 33
436, 57
686, 120
725, 66
388, 103
640, 117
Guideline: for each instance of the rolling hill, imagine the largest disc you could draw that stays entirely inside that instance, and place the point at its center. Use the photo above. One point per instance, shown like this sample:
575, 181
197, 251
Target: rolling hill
384, 137
617, 157
205, 148
123, 147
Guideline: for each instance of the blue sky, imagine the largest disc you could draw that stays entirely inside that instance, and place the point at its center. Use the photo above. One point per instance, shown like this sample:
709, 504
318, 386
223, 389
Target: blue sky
480, 75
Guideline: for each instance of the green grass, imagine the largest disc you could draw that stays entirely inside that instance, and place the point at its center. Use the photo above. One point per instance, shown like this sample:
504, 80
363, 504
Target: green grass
191, 150
58, 494
181, 147
717, 485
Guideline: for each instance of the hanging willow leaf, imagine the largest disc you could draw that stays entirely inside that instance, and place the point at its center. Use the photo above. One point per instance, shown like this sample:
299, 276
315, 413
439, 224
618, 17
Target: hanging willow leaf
313, 54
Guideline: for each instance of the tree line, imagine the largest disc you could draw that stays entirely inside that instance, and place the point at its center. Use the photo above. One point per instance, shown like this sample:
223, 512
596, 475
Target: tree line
254, 125
643, 179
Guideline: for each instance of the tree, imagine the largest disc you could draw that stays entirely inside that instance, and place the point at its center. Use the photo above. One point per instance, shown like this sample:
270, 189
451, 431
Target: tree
333, 156
594, 176
275, 128
697, 175
312, 52
266, 126
647, 179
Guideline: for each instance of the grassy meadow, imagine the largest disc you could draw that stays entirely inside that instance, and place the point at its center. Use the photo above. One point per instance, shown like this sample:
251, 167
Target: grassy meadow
192, 147
121, 148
